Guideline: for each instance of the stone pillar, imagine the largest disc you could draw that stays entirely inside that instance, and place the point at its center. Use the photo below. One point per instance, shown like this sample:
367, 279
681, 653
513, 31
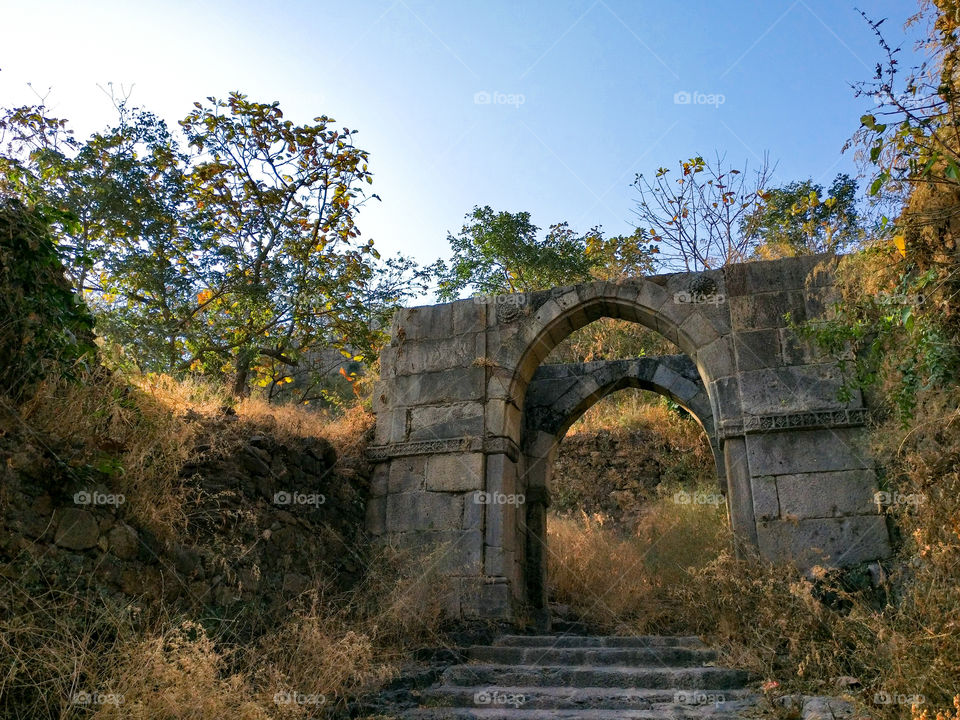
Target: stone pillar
538, 500
739, 492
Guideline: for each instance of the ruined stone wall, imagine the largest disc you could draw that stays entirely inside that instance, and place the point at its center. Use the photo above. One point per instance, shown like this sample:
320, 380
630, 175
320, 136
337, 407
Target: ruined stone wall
454, 469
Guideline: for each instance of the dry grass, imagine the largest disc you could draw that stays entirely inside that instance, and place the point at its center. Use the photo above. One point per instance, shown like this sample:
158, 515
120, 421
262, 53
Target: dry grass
803, 631
618, 582
61, 647
136, 433
637, 409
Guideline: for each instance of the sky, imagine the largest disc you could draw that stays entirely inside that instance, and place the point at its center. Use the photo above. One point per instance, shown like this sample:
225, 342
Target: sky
547, 106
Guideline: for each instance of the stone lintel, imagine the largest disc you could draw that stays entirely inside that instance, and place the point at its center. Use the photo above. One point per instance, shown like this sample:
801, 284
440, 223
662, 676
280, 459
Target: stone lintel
488, 446
842, 417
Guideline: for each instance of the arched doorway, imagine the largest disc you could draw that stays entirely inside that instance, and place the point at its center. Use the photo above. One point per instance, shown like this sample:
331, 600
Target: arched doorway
556, 397
450, 409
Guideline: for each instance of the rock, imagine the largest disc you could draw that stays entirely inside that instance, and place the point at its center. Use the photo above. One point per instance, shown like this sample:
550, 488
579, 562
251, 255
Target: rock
186, 560
76, 529
123, 541
255, 460
295, 583
249, 579
825, 708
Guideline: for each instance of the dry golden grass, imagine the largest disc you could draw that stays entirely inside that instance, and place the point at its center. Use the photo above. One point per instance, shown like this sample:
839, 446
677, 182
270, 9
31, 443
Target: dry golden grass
616, 581
803, 631
132, 436
62, 647
141, 430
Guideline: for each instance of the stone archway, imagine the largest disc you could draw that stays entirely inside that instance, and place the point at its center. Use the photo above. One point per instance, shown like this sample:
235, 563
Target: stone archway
449, 448
556, 397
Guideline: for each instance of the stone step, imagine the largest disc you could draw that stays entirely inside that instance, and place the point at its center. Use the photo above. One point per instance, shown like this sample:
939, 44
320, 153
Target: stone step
563, 698
595, 641
679, 678
666, 655
491, 713
574, 627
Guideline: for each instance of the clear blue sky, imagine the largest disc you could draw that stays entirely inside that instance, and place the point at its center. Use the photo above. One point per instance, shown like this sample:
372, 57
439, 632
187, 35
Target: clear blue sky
582, 92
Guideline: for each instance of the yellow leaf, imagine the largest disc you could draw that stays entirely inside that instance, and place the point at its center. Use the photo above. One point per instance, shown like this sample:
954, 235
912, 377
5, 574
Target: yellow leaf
901, 244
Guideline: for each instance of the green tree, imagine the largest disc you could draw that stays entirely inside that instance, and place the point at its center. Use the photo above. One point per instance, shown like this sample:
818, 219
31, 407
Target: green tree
46, 329
501, 252
800, 218
621, 256
235, 255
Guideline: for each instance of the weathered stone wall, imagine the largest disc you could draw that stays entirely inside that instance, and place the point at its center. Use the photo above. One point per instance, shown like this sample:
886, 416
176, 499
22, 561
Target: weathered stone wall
459, 463
248, 539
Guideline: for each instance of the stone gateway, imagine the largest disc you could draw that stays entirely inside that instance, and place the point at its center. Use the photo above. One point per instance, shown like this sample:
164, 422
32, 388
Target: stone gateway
468, 420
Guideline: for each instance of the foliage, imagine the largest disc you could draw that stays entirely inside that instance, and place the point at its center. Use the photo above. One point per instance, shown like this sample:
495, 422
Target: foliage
500, 252
800, 218
46, 328
236, 255
621, 256
696, 218
899, 312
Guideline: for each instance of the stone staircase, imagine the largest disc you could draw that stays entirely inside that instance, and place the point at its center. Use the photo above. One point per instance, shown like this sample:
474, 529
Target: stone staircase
589, 677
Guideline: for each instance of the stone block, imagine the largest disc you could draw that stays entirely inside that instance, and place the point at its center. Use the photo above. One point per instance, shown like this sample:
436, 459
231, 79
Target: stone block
793, 389
413, 511
805, 451
419, 356
407, 474
716, 360
376, 522
455, 472
798, 351
497, 561
726, 391
432, 388
766, 310
473, 512
829, 494
503, 418
391, 427
651, 296
427, 322
833, 541
490, 598
757, 349
469, 316
446, 421
379, 479
697, 330
674, 384
766, 504
820, 302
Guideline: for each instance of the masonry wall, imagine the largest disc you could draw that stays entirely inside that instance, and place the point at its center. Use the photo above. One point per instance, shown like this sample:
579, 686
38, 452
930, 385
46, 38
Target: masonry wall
451, 473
